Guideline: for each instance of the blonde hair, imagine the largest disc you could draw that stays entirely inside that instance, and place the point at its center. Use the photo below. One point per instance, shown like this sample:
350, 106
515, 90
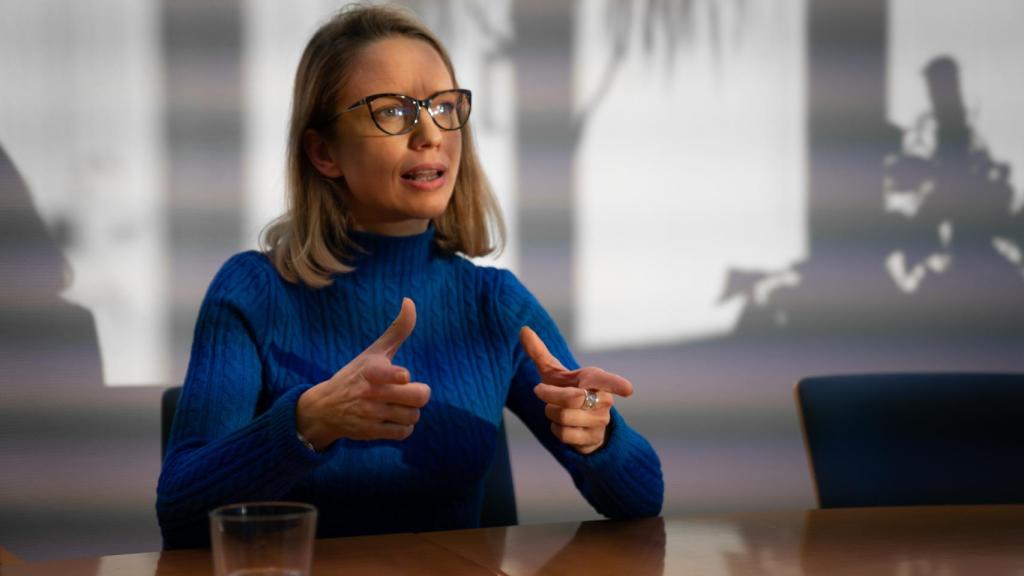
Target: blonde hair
311, 240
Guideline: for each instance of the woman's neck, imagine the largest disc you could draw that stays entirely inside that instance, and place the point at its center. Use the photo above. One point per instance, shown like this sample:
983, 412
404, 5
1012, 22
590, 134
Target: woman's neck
409, 227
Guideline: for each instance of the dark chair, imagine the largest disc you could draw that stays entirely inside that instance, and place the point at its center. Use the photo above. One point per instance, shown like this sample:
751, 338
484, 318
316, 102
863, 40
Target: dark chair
168, 406
914, 439
499, 504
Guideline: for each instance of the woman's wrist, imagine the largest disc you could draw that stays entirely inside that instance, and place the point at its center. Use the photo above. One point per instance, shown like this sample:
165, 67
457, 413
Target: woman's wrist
306, 422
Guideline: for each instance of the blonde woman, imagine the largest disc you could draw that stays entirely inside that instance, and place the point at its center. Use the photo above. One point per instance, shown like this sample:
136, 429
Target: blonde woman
360, 362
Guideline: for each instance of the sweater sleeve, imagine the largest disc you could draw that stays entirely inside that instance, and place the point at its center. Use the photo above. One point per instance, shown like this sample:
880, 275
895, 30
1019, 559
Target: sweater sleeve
622, 479
220, 450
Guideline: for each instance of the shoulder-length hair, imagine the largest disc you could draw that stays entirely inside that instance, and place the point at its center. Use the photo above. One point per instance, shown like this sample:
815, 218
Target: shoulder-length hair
311, 240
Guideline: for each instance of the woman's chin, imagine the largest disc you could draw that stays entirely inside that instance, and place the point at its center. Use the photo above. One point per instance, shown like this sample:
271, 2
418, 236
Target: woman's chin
407, 220
429, 205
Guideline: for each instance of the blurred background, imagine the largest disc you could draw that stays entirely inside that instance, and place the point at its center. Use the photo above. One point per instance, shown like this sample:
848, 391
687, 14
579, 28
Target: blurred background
713, 198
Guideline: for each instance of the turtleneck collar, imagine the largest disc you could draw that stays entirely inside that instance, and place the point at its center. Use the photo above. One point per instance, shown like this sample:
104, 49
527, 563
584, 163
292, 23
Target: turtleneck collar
404, 254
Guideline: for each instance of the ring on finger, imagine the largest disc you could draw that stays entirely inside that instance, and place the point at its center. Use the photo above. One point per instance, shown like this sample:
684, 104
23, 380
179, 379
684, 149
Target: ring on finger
590, 400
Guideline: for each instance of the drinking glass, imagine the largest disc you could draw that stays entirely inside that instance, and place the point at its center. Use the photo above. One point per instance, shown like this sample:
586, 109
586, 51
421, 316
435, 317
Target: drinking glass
263, 539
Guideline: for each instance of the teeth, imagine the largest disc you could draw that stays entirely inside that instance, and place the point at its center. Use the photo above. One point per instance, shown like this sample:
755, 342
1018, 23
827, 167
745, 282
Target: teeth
423, 175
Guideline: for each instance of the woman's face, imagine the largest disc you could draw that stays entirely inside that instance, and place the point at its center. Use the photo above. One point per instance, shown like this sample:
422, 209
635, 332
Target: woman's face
396, 183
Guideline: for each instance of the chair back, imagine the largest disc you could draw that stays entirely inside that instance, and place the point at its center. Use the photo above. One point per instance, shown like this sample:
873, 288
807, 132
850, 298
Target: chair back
499, 503
914, 439
168, 406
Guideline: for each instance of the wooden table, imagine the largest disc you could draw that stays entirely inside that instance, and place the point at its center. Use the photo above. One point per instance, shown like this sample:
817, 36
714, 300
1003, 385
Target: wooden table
987, 540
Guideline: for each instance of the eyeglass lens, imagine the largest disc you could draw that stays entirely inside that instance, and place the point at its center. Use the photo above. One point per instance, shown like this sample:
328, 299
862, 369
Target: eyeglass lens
397, 114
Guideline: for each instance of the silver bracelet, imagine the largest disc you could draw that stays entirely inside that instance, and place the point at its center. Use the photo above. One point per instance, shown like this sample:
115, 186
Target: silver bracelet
305, 442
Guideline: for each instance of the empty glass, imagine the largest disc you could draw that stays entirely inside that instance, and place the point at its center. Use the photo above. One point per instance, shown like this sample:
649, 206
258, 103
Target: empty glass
263, 539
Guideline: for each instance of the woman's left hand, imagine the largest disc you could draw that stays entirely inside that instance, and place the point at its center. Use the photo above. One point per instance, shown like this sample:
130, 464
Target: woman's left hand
576, 420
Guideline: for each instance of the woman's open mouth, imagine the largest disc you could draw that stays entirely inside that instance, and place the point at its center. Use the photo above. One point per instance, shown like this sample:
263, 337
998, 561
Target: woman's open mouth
425, 176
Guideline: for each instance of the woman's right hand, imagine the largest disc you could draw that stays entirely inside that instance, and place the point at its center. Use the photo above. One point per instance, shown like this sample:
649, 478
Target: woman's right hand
370, 398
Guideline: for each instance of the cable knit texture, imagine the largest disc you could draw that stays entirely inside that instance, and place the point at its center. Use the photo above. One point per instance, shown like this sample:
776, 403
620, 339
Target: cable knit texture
260, 342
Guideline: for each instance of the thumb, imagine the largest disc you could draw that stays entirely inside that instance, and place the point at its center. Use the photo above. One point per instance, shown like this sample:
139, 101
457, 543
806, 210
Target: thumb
551, 370
397, 332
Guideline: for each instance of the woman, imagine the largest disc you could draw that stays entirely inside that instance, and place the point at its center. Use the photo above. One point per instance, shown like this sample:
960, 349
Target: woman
365, 273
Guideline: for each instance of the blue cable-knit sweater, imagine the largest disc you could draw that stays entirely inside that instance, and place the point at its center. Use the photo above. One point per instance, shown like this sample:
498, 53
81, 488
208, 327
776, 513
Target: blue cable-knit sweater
260, 342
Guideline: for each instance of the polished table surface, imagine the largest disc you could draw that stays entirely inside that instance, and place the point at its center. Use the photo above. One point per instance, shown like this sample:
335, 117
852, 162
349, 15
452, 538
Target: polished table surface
947, 541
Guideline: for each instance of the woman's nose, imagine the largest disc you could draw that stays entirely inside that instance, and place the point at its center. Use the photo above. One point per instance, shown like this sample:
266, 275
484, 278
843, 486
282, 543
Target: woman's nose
426, 134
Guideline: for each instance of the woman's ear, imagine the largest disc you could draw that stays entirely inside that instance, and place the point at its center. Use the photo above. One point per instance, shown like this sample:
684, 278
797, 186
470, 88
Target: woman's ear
320, 154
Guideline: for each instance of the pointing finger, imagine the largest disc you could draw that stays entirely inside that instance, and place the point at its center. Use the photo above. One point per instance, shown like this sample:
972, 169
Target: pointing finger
566, 397
414, 394
592, 378
380, 370
397, 332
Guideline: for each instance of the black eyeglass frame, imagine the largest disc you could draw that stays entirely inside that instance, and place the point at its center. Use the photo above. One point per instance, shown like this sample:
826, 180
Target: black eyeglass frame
424, 104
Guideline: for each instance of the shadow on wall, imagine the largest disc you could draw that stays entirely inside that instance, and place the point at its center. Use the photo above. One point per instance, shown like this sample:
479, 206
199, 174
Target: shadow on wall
941, 254
915, 259
78, 462
929, 196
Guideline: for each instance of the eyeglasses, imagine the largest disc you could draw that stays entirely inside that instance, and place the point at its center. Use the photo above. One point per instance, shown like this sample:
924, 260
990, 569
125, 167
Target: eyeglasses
397, 114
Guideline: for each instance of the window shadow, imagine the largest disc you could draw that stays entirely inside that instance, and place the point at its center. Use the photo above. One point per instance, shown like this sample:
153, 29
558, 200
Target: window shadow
74, 455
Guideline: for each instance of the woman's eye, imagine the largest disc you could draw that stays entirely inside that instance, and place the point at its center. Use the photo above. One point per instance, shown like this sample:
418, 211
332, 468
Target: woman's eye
392, 112
444, 108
